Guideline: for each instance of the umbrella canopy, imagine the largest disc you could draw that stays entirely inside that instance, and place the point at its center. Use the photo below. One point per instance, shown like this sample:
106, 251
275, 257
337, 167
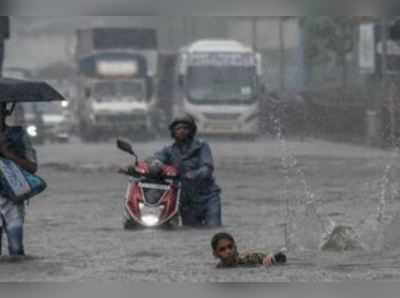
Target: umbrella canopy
14, 90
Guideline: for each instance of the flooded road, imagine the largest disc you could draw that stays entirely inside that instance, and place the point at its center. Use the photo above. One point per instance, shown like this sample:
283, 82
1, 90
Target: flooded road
275, 194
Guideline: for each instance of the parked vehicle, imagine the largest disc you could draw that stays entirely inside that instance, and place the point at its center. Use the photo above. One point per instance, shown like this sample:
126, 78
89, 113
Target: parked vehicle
117, 70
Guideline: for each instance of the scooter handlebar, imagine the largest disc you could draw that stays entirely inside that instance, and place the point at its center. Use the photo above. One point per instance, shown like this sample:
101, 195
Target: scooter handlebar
126, 172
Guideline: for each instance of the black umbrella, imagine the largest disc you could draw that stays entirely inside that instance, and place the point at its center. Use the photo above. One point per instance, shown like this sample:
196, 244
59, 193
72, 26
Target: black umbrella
13, 91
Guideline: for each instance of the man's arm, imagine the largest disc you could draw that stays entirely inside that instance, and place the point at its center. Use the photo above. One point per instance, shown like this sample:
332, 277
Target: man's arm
163, 156
160, 157
206, 169
24, 163
28, 162
252, 259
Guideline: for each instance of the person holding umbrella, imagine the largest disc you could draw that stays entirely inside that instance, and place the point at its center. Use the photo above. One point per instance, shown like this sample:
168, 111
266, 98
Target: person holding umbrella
16, 146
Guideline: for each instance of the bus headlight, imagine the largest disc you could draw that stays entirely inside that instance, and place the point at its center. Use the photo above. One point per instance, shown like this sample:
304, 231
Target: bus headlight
32, 131
65, 103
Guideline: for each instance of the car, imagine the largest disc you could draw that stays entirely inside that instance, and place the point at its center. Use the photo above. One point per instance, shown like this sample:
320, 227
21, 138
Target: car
47, 122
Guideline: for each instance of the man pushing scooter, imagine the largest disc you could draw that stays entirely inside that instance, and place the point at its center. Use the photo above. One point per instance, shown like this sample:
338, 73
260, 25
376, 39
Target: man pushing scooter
200, 195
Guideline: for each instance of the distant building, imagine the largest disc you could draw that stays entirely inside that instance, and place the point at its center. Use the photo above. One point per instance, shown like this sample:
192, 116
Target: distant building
277, 38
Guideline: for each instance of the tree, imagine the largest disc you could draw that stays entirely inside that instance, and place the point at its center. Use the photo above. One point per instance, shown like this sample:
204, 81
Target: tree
329, 37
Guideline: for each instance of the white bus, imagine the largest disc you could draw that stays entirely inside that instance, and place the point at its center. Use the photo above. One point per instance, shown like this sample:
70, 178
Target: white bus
219, 84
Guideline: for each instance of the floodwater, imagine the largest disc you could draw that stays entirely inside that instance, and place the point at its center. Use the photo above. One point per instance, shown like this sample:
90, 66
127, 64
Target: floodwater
335, 207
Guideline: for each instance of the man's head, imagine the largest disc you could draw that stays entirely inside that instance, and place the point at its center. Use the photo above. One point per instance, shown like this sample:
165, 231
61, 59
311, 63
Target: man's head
183, 128
224, 248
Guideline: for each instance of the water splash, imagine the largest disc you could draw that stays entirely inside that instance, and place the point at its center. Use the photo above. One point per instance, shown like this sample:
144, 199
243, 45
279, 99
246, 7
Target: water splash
374, 229
369, 235
304, 227
385, 184
378, 230
342, 238
306, 230
386, 229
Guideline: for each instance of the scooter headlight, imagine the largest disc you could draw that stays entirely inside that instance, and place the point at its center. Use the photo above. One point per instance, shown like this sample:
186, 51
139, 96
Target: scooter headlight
150, 220
150, 216
32, 131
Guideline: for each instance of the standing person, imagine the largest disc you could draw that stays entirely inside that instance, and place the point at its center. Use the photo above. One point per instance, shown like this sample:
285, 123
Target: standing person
15, 145
200, 198
4, 35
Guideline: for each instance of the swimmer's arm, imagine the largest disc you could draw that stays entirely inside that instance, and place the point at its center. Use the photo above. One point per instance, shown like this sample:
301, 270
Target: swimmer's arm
253, 259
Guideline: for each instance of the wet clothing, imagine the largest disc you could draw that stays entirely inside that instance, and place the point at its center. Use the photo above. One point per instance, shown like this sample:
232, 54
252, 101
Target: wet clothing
12, 215
254, 259
246, 260
200, 197
207, 212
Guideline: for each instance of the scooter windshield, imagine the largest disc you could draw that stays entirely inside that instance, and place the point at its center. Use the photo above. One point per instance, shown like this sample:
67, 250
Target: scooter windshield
153, 196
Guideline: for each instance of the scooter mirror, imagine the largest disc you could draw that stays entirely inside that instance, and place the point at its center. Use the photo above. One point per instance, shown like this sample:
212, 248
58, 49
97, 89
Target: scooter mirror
125, 146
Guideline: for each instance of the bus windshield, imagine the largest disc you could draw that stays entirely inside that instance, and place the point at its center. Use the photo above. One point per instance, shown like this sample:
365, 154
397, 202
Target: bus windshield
216, 83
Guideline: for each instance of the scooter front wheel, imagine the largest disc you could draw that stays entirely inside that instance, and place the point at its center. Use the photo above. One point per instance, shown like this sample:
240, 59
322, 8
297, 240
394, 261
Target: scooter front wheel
173, 223
130, 225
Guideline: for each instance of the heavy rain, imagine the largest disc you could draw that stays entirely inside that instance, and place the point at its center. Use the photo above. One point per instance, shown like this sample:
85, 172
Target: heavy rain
301, 113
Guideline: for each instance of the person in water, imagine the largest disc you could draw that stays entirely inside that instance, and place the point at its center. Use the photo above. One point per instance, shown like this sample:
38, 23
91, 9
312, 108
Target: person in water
225, 250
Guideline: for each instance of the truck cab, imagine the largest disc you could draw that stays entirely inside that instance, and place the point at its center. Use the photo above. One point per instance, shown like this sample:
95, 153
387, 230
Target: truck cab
117, 75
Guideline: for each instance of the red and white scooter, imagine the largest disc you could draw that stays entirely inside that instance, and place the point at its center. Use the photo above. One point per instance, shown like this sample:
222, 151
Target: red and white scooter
152, 198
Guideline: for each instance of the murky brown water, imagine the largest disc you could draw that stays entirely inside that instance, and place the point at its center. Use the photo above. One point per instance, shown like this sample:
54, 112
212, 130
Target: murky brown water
74, 231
